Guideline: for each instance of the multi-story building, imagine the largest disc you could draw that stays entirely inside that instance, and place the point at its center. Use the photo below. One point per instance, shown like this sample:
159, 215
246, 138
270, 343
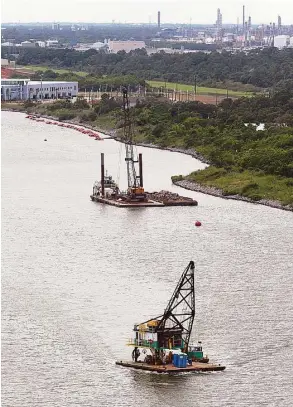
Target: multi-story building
24, 89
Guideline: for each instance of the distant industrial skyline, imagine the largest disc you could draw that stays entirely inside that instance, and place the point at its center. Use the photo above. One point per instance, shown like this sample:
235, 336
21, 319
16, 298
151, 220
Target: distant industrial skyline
145, 11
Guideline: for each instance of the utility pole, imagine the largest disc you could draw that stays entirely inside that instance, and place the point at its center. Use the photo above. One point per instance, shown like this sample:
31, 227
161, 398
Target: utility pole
41, 87
194, 85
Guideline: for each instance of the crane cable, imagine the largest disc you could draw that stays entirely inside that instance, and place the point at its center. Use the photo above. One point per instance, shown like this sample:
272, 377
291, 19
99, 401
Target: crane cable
119, 164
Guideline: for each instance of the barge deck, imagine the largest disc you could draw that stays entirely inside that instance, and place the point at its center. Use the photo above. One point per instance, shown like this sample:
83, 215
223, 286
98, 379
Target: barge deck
125, 204
171, 369
155, 199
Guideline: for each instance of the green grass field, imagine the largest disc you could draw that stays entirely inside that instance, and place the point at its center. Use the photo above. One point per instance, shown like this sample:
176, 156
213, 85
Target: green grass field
45, 68
200, 90
250, 184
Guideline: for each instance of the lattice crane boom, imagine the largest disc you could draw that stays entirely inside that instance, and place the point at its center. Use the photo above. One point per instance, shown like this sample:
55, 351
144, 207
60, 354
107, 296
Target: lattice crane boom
179, 315
133, 179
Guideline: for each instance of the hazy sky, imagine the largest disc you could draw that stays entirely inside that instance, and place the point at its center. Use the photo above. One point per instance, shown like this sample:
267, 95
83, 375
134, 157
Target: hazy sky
136, 11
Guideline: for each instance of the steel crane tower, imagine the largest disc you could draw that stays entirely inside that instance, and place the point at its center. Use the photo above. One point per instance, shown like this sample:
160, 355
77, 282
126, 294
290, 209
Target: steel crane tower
135, 182
178, 317
174, 327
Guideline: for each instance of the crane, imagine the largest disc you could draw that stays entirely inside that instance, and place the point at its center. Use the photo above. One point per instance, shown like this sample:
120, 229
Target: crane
174, 327
171, 330
135, 191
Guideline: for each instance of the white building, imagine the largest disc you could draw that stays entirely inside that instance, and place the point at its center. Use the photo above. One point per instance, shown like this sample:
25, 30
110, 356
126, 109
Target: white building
51, 43
85, 47
24, 89
7, 44
41, 44
127, 46
5, 63
28, 44
281, 41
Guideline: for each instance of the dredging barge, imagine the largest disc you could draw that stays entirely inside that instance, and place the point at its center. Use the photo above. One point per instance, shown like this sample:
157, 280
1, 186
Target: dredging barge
106, 190
164, 340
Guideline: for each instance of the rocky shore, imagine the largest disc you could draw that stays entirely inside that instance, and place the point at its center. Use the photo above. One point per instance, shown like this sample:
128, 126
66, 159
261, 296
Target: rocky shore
204, 189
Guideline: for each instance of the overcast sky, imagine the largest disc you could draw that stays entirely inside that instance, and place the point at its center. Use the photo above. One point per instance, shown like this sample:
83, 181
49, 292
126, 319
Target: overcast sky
144, 11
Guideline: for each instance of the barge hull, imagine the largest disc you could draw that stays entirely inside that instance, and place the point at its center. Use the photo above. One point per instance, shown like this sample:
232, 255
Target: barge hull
148, 203
170, 369
124, 204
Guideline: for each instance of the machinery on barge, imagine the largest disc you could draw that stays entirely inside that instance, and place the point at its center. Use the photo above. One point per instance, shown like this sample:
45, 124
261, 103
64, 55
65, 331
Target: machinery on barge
107, 188
162, 344
107, 191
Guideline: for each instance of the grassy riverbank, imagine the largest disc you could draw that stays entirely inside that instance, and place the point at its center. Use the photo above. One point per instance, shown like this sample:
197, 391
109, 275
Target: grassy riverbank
43, 68
200, 90
250, 184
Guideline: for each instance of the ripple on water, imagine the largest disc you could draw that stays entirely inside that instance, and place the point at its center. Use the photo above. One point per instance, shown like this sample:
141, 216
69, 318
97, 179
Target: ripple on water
77, 276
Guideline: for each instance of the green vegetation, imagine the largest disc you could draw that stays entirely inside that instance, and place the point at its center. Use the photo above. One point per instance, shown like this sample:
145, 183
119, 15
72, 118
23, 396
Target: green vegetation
43, 68
91, 82
67, 37
260, 69
250, 184
248, 162
200, 90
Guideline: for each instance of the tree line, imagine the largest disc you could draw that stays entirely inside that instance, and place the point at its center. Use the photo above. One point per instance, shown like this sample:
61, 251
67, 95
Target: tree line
261, 69
227, 134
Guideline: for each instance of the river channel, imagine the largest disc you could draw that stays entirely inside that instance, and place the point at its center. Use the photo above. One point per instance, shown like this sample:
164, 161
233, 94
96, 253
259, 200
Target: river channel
77, 275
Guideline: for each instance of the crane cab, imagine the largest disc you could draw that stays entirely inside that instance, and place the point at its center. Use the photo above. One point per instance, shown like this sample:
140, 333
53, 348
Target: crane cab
136, 194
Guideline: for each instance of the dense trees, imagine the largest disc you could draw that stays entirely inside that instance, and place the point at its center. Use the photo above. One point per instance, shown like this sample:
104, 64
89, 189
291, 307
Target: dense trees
220, 134
93, 82
94, 33
262, 69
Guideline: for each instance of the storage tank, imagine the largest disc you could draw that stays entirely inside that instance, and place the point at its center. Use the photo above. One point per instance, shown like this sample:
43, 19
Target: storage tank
281, 41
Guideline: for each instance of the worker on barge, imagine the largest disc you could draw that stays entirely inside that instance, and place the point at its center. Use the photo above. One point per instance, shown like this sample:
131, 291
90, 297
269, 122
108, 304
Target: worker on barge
135, 354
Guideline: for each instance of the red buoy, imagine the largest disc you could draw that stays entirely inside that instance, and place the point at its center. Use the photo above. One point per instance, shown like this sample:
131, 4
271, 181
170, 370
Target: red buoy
197, 223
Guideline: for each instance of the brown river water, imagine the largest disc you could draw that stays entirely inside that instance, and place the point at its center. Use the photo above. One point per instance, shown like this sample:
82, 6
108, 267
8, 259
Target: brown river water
76, 276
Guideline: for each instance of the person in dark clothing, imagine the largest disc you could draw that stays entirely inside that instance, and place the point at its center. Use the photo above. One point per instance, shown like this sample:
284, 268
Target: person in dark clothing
135, 354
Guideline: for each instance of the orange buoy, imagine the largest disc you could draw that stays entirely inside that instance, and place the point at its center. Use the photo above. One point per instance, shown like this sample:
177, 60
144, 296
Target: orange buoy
197, 223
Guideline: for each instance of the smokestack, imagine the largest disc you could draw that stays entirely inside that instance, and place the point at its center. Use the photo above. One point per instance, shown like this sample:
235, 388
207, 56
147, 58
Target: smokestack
279, 24
159, 20
140, 170
102, 174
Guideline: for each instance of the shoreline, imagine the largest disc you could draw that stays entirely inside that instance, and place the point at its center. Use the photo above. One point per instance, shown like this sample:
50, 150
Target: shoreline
205, 189
191, 186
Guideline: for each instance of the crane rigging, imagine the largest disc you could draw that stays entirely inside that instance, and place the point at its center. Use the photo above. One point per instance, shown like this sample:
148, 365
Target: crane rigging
135, 182
165, 340
173, 328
